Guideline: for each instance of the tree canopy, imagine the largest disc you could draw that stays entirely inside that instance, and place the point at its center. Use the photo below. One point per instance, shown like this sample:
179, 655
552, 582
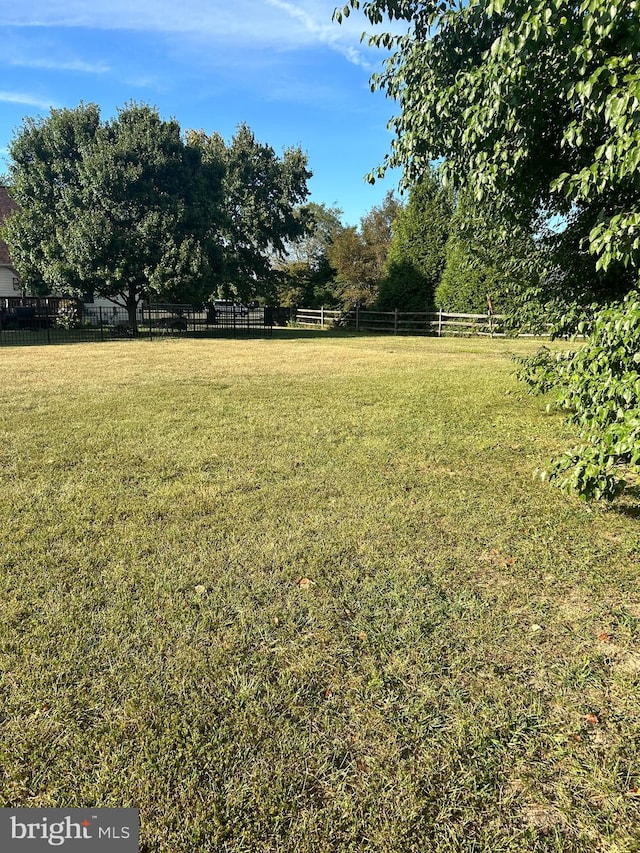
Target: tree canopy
535, 104
129, 208
262, 198
359, 254
122, 209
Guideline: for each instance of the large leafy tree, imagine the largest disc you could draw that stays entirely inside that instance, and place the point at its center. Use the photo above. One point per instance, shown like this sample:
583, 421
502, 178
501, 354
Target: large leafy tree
535, 104
416, 256
262, 197
122, 209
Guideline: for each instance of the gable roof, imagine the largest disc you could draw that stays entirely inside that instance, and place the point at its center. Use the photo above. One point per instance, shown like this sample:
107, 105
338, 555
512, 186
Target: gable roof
7, 206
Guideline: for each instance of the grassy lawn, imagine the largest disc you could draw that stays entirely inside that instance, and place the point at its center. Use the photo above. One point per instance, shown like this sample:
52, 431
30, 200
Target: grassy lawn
304, 595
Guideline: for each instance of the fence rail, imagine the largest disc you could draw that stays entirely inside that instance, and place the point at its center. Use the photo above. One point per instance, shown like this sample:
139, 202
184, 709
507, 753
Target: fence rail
326, 318
54, 320
402, 322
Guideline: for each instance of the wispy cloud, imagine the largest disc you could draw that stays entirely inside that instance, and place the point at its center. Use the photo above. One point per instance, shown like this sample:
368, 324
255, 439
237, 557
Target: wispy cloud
323, 30
62, 65
26, 99
278, 24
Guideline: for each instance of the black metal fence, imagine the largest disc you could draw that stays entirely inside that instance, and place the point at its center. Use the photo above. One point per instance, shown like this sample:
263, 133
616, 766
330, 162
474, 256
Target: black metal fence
51, 320
206, 321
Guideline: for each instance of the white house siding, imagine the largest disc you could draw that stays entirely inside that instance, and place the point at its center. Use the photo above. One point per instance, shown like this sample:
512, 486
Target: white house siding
105, 304
105, 309
7, 277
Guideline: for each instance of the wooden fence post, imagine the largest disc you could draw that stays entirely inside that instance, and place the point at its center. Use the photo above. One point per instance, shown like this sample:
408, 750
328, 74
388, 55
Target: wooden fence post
395, 321
440, 323
322, 316
357, 317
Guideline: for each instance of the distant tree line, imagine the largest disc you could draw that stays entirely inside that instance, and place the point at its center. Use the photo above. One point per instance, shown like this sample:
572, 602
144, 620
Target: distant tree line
441, 248
134, 208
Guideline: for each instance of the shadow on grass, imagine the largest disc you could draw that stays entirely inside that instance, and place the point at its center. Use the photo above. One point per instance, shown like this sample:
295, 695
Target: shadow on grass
628, 503
284, 333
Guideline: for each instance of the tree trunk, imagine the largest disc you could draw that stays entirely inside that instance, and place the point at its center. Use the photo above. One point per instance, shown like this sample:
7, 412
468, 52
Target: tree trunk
132, 310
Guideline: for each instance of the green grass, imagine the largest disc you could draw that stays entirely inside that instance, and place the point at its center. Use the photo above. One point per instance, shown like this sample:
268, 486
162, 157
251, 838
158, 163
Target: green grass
304, 595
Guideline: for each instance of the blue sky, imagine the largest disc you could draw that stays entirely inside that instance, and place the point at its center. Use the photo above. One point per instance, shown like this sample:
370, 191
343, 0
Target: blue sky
285, 68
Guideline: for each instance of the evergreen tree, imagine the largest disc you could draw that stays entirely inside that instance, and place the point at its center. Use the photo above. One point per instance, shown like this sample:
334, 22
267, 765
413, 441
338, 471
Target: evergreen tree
416, 256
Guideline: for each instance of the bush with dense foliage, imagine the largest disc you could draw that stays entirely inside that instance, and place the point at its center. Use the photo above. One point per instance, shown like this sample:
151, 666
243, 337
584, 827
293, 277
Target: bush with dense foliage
599, 385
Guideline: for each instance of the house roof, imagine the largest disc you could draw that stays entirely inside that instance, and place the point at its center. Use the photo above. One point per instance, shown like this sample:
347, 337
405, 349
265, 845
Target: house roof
7, 206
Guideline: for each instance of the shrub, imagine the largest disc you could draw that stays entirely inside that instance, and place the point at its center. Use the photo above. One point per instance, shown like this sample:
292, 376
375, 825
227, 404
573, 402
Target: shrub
540, 371
599, 385
67, 318
466, 283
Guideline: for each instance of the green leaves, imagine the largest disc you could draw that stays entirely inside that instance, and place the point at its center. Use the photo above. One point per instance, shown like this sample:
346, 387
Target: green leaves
416, 257
533, 105
120, 208
262, 193
359, 255
599, 386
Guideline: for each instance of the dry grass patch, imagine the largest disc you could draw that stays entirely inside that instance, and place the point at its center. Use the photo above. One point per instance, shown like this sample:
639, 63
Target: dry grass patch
305, 595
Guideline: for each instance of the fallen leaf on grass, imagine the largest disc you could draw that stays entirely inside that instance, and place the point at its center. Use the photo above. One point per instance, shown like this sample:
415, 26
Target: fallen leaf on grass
633, 792
604, 637
305, 583
362, 636
591, 719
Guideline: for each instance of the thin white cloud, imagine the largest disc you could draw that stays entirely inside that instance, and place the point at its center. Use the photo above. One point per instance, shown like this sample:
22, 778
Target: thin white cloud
26, 99
63, 65
277, 24
323, 30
